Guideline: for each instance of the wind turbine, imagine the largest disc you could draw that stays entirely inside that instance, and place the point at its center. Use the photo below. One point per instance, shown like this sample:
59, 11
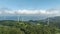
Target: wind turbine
18, 19
48, 20
4, 16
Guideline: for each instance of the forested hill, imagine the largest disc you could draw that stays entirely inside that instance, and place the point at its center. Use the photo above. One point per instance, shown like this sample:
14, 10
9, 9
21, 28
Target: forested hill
53, 21
26, 27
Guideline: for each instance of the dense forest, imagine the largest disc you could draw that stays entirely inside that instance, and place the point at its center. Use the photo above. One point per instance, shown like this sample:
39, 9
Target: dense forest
27, 27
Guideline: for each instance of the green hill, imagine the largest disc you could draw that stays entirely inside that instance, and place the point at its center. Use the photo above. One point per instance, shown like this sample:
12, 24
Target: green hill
24, 27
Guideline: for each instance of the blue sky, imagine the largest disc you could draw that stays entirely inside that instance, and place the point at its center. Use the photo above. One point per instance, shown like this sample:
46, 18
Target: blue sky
29, 4
42, 7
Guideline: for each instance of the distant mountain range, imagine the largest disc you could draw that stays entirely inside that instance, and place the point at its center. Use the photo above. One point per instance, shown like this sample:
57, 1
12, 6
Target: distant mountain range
29, 17
22, 17
55, 21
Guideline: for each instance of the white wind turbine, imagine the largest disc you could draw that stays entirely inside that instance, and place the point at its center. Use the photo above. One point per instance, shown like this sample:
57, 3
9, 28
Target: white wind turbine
48, 15
4, 16
18, 16
48, 20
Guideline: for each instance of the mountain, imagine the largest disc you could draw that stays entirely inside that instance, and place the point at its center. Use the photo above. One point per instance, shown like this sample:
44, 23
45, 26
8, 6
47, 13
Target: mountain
22, 17
55, 21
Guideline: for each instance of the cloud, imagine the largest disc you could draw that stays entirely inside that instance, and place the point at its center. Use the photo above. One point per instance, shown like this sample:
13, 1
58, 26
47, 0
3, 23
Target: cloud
52, 12
9, 12
0, 12
27, 12
23, 12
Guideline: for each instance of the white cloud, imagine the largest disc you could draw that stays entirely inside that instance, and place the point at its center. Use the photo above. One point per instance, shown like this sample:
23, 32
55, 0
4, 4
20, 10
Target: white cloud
54, 12
9, 12
0, 12
27, 12
42, 12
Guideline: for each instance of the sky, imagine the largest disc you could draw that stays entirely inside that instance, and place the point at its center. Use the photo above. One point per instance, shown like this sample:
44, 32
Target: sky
29, 4
43, 7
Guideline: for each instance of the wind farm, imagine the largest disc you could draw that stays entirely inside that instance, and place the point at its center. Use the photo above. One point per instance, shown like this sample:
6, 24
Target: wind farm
29, 16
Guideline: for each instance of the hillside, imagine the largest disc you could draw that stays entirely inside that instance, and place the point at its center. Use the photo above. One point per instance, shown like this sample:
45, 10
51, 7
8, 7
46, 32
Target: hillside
23, 27
54, 21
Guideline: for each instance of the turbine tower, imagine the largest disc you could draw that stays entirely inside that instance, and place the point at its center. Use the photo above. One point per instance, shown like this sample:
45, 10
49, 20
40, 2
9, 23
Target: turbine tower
48, 21
17, 14
4, 16
18, 17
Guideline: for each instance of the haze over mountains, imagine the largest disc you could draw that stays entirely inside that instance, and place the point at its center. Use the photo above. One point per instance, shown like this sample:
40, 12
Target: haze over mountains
22, 17
8, 14
27, 17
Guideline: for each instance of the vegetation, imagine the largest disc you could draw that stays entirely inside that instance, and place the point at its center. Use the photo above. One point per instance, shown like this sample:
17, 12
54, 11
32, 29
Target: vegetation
26, 27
